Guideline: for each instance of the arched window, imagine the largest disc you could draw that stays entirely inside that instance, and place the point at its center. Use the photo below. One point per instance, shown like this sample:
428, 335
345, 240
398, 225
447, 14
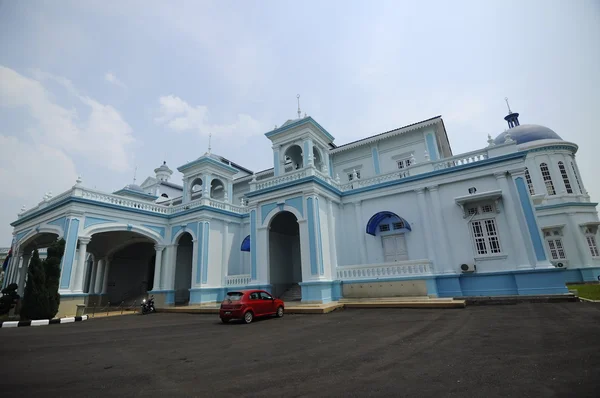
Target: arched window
529, 182
547, 179
164, 195
576, 177
565, 177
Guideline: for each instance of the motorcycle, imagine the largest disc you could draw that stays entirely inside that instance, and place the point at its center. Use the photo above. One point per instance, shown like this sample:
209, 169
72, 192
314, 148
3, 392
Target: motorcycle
148, 306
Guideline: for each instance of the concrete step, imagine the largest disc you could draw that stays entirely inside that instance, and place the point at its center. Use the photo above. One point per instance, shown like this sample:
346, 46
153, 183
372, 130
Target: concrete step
391, 299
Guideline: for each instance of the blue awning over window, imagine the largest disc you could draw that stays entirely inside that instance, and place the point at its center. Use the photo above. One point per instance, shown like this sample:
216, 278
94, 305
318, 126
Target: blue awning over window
246, 244
379, 217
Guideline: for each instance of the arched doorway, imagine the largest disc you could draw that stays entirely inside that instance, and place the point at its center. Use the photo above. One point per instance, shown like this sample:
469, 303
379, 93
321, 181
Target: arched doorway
130, 273
285, 268
183, 268
20, 266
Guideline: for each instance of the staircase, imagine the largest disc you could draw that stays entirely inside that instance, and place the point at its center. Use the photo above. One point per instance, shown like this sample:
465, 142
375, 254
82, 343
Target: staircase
293, 293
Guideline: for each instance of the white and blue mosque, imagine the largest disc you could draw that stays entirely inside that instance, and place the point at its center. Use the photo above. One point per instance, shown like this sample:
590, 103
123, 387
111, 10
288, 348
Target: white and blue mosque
394, 214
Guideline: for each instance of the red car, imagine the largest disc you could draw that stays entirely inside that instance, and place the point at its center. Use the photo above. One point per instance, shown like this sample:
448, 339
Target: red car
247, 304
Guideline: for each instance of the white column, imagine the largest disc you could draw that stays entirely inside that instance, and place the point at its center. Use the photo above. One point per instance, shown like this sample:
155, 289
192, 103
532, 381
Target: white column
24, 267
157, 267
428, 240
362, 243
195, 269
105, 276
171, 267
523, 258
13, 267
332, 243
304, 250
99, 277
443, 248
580, 241
93, 276
262, 255
77, 282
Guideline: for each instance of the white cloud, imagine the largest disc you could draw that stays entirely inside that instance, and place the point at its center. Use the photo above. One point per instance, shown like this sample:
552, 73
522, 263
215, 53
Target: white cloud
102, 137
179, 116
111, 78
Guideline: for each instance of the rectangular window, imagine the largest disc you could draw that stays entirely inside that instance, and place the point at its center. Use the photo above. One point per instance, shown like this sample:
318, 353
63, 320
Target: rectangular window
565, 177
485, 236
529, 182
576, 177
557, 251
547, 179
398, 225
404, 163
591, 241
351, 177
384, 227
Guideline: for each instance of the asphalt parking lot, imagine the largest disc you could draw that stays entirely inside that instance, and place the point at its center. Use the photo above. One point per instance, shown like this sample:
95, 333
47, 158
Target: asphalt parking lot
524, 350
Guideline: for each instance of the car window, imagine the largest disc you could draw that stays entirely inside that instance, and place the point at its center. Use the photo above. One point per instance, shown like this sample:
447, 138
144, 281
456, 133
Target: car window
233, 296
254, 296
265, 296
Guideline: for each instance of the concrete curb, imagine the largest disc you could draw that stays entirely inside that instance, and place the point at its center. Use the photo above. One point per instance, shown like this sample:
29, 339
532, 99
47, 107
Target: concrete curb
42, 322
589, 300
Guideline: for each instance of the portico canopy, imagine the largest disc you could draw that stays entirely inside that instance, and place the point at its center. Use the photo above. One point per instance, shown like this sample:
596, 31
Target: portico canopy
377, 218
246, 244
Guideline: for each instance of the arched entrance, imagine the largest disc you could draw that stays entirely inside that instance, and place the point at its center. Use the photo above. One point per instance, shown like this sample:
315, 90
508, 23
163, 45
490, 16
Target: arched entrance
285, 268
183, 269
20, 266
127, 270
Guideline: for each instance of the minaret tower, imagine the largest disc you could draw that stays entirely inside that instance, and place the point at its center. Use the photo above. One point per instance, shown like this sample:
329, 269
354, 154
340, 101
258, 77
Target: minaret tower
512, 118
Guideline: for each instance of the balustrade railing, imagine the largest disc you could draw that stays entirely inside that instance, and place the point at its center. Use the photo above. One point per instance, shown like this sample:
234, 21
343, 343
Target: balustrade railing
385, 270
396, 175
465, 158
123, 201
273, 181
237, 280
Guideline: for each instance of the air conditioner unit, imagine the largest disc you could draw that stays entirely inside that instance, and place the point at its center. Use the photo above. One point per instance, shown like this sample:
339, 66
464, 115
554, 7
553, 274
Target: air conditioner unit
560, 263
468, 267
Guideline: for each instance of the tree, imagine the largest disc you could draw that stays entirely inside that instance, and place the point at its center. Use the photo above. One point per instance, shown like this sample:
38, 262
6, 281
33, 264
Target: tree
9, 298
35, 297
52, 269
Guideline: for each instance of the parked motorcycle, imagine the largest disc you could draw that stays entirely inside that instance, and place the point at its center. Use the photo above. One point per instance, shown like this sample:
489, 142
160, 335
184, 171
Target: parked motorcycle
148, 306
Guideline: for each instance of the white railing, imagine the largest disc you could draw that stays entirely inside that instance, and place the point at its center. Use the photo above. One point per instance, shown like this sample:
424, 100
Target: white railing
465, 158
273, 181
396, 175
123, 201
237, 280
385, 270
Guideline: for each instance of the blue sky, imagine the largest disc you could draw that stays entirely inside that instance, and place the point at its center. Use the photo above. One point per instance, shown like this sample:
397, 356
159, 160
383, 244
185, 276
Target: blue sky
99, 87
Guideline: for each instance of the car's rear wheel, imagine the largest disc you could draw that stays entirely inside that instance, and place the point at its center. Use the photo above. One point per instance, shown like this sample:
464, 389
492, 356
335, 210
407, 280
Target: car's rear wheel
224, 320
248, 317
279, 312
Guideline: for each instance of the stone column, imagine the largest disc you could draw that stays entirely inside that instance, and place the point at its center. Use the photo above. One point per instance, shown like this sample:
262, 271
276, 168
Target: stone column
523, 258
171, 267
332, 243
22, 274
98, 279
443, 248
78, 274
361, 241
157, 267
224, 258
105, 275
426, 226
195, 268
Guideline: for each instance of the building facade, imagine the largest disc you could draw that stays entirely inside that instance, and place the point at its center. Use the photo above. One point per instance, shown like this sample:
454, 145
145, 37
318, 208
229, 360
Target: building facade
395, 214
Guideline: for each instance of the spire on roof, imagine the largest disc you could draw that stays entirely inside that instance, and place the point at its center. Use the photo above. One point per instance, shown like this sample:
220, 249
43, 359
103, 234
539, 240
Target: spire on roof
512, 118
299, 112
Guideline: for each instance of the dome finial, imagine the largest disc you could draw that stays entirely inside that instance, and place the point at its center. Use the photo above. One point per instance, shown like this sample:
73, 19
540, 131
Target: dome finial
512, 118
299, 112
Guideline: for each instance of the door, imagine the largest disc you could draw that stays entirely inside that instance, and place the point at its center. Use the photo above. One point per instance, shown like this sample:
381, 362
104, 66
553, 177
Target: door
394, 248
267, 303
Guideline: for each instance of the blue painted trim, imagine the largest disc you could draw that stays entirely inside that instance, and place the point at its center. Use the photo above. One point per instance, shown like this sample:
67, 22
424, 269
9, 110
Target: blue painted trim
199, 257
305, 154
266, 209
71, 245
201, 208
276, 162
296, 203
205, 252
567, 204
375, 153
157, 229
534, 231
392, 279
205, 159
318, 209
431, 287
20, 235
125, 191
60, 222
566, 147
89, 221
300, 122
311, 236
431, 147
253, 244
317, 291
207, 295
174, 231
246, 244
377, 218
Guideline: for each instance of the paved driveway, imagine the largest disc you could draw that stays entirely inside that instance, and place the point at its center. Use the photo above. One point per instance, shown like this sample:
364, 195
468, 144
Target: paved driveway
535, 350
